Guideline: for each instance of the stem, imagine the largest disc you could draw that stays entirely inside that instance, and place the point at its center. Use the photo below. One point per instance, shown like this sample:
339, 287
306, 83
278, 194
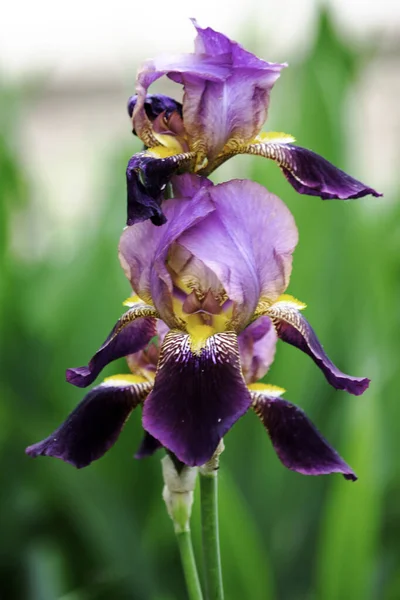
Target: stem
179, 484
209, 525
189, 565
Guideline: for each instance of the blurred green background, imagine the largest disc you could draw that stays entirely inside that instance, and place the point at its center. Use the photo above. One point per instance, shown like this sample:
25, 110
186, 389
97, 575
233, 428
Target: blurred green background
102, 532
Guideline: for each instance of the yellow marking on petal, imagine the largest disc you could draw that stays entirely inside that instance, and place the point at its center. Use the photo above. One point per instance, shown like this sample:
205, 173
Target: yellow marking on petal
291, 301
201, 162
199, 333
160, 152
168, 142
220, 322
262, 308
276, 137
132, 300
177, 309
264, 388
183, 284
125, 379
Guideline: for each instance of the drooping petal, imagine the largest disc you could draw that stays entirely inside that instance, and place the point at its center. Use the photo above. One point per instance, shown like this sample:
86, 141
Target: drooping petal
257, 345
147, 177
95, 424
145, 361
247, 241
148, 446
131, 333
297, 442
143, 249
294, 329
198, 394
311, 174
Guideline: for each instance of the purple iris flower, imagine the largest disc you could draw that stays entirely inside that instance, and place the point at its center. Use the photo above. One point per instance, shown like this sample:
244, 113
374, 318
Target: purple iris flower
214, 296
225, 104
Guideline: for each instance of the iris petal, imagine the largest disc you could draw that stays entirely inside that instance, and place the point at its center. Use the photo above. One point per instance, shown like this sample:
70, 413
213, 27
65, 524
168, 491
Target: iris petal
297, 442
310, 173
130, 334
147, 177
144, 248
294, 329
95, 424
148, 446
246, 267
155, 104
219, 74
198, 395
257, 345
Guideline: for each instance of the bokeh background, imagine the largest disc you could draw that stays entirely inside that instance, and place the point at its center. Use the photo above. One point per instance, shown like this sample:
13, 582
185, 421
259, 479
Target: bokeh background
66, 71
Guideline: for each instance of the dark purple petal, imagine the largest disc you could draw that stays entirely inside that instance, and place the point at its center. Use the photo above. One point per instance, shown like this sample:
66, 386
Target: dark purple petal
145, 361
148, 446
294, 329
311, 174
95, 424
257, 345
198, 395
131, 333
155, 104
147, 178
297, 442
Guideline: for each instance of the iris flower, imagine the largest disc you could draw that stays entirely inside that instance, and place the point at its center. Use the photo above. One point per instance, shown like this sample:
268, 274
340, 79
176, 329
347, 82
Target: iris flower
215, 296
226, 93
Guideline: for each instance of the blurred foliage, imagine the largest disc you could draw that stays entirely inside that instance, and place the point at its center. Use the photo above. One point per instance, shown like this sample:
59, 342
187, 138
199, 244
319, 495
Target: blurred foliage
102, 532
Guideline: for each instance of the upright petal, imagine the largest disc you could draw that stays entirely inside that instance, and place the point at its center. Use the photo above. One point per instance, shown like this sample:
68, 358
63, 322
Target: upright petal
311, 174
197, 67
143, 249
294, 329
131, 333
226, 90
248, 242
234, 108
95, 424
297, 442
257, 344
198, 395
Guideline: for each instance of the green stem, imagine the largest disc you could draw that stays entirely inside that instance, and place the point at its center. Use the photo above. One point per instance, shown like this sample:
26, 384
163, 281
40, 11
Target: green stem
178, 497
189, 565
210, 534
